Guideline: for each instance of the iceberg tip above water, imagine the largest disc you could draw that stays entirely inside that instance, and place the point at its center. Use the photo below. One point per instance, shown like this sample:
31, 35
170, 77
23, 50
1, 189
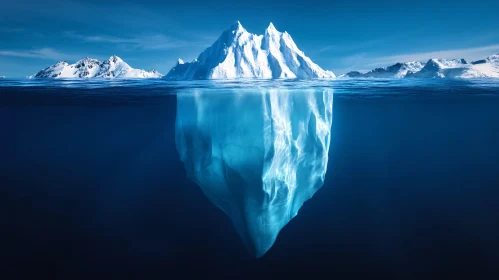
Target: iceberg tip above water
240, 54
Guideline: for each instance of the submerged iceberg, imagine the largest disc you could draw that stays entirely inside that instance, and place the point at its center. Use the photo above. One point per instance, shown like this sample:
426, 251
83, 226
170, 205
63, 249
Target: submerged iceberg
257, 154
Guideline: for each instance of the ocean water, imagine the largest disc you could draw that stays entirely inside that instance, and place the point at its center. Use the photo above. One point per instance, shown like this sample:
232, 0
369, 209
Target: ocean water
91, 185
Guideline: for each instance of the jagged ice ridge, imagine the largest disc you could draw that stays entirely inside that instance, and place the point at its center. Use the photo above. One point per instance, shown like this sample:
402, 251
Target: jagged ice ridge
240, 54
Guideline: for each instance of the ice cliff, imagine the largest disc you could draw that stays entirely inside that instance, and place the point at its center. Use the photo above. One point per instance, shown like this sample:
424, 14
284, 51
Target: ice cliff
258, 156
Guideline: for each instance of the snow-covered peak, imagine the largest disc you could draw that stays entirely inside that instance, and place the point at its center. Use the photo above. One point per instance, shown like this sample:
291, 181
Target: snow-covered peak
114, 67
493, 58
237, 28
180, 61
240, 54
397, 70
62, 62
87, 60
402, 69
444, 63
436, 68
115, 59
457, 68
271, 29
414, 64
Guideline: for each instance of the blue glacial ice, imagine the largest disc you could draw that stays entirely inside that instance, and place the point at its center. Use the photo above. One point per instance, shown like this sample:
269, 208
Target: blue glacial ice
257, 154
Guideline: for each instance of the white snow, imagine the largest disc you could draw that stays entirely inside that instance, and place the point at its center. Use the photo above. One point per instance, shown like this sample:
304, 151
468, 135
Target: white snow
413, 66
435, 68
114, 67
398, 70
488, 69
240, 54
454, 68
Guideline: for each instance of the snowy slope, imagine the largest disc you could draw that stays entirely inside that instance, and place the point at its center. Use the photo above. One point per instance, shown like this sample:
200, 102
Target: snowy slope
435, 68
114, 67
398, 70
240, 54
441, 68
488, 67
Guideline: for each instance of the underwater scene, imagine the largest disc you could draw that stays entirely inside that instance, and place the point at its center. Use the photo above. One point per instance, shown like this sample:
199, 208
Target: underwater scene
250, 178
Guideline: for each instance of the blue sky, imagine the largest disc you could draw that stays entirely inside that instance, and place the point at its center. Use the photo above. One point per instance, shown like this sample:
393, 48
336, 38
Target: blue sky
339, 36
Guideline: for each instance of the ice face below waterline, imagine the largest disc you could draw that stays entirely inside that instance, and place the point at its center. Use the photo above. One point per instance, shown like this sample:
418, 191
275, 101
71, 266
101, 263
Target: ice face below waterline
257, 154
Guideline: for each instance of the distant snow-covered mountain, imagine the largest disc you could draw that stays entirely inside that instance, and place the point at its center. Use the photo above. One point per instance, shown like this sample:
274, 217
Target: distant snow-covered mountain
435, 68
114, 67
441, 68
488, 66
240, 54
398, 70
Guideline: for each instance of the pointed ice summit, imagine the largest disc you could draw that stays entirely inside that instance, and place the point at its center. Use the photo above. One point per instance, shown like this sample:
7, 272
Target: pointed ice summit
240, 54
113, 67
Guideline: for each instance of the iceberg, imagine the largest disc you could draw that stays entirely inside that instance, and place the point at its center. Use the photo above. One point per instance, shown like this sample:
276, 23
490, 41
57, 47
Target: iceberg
257, 154
238, 53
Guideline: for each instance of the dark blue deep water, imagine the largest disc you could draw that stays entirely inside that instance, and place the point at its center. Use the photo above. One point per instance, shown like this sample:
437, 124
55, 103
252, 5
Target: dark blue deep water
91, 186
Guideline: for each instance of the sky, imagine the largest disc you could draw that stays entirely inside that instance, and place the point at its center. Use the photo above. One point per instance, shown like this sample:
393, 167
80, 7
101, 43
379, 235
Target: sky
338, 35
